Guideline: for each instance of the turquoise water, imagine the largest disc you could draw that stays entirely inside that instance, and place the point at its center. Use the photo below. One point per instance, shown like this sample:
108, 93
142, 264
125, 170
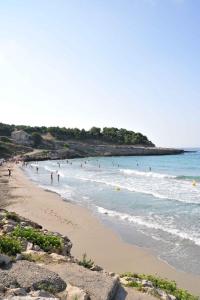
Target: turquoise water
151, 201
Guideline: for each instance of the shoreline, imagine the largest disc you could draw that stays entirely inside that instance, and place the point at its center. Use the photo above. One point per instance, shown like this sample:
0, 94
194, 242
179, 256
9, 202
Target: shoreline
88, 234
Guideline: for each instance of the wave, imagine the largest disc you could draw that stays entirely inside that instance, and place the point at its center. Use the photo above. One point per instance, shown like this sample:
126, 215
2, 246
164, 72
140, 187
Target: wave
140, 221
187, 177
141, 190
147, 174
159, 175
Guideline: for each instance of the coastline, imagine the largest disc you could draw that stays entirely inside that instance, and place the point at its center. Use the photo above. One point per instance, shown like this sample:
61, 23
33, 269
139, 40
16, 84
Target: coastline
88, 234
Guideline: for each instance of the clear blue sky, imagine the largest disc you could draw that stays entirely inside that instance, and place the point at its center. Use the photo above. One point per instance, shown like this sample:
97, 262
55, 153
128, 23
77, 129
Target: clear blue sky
133, 64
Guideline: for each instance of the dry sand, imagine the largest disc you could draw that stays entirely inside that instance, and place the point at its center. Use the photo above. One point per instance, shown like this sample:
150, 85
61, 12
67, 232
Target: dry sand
86, 232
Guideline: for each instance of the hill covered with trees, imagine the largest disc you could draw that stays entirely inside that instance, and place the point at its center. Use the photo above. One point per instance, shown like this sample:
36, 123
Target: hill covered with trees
107, 134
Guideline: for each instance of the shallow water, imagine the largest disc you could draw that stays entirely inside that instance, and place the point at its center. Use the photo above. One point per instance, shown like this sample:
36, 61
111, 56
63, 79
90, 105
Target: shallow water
151, 201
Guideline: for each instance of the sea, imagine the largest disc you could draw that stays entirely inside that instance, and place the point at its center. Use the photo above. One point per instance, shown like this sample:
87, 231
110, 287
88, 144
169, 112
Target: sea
150, 201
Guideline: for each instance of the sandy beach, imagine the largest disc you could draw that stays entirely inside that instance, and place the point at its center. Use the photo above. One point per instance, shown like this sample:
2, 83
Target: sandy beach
86, 232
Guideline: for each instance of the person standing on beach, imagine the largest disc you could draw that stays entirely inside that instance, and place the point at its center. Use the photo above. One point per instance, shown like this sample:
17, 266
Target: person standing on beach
9, 172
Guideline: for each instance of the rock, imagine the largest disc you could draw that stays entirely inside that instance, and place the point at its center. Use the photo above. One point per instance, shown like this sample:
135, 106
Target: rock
171, 297
77, 293
98, 285
124, 281
16, 292
42, 293
111, 274
7, 228
146, 283
36, 248
2, 288
10, 222
67, 245
162, 294
19, 256
28, 297
96, 268
23, 224
7, 280
4, 260
29, 246
149, 290
58, 257
30, 275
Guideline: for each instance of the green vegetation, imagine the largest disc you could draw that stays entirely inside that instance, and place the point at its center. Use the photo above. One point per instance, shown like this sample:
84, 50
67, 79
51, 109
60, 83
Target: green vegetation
107, 134
9, 245
46, 286
37, 139
66, 145
35, 257
169, 287
12, 216
46, 242
87, 263
5, 139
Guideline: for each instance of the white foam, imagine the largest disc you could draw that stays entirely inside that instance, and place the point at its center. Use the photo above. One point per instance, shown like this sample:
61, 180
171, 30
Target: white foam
140, 221
150, 190
146, 174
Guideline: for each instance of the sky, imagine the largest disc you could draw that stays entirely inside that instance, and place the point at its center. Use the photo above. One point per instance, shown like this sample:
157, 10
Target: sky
130, 64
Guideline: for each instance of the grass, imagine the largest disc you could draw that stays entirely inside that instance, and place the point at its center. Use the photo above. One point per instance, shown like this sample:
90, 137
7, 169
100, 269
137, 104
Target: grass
47, 242
87, 263
170, 287
10, 245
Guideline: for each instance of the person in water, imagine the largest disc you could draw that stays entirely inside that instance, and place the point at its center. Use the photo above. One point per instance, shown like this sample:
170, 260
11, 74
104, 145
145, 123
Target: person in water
58, 177
51, 177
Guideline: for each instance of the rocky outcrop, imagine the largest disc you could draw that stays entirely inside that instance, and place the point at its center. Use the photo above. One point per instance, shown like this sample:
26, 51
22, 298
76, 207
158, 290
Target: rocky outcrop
78, 149
98, 285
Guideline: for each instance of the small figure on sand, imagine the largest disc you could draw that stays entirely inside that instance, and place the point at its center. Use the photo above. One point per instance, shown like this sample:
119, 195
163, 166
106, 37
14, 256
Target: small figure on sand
51, 177
9, 172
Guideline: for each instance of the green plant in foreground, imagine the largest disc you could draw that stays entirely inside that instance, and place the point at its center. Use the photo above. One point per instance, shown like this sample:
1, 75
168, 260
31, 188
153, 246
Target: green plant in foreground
87, 263
10, 245
47, 242
169, 287
46, 286
12, 216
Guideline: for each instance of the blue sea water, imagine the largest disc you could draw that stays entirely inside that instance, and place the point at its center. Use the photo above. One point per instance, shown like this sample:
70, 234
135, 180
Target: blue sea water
151, 201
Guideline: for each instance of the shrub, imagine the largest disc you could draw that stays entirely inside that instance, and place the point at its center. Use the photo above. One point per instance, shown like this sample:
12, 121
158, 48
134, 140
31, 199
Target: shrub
66, 146
87, 263
5, 139
13, 216
9, 245
47, 242
169, 287
37, 139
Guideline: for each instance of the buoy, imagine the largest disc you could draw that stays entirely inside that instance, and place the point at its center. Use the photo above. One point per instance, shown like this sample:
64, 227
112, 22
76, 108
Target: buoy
194, 183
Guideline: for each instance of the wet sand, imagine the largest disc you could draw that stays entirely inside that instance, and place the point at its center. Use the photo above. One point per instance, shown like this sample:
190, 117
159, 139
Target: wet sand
86, 232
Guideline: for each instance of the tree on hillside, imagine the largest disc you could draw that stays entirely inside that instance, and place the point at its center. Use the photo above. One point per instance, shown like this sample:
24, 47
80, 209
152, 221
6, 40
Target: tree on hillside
37, 139
95, 132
